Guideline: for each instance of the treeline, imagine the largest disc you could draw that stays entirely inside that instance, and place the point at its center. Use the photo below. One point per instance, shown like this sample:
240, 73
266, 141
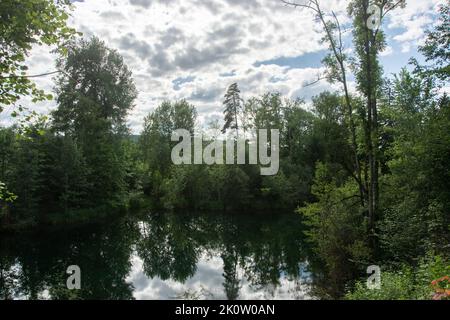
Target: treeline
233, 187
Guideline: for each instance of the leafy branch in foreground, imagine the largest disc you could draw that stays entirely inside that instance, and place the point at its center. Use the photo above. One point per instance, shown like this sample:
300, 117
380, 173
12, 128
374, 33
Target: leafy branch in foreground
23, 25
6, 195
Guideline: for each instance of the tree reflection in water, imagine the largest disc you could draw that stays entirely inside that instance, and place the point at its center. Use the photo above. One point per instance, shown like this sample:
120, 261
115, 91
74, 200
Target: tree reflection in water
161, 256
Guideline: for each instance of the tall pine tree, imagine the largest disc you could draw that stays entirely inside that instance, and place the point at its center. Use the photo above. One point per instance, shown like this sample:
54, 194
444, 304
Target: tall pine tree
233, 106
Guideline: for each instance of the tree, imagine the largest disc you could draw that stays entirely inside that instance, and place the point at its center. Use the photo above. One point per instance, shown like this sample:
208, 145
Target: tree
96, 86
7, 141
337, 227
337, 71
95, 94
436, 48
268, 111
368, 44
63, 174
155, 140
415, 195
233, 107
22, 25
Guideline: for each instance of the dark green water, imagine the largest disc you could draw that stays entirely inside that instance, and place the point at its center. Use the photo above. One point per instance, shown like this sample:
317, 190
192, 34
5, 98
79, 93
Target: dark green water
162, 256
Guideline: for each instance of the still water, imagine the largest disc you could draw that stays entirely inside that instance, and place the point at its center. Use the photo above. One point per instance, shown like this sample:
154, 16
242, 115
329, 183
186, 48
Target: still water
162, 256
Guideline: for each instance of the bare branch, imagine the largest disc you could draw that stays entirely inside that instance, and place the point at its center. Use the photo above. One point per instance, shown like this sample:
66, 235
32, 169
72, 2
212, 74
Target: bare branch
300, 5
319, 78
394, 6
339, 32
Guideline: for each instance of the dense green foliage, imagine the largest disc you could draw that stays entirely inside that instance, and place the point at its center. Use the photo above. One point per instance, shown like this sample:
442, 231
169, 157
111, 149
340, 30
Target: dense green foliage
22, 25
231, 187
407, 283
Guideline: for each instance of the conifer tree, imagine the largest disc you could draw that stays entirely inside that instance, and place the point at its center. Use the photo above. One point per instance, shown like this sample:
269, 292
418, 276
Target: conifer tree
233, 106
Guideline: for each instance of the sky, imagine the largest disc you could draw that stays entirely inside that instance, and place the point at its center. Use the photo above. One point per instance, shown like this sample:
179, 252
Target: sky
194, 49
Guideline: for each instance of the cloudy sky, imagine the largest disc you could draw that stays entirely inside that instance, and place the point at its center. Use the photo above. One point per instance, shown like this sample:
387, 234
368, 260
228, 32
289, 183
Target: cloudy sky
195, 49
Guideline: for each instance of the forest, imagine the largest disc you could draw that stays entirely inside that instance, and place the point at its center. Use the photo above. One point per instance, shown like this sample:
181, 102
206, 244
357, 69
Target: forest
367, 170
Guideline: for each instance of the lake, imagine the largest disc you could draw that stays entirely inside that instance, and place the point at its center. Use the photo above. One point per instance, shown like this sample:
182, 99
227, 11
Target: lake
162, 256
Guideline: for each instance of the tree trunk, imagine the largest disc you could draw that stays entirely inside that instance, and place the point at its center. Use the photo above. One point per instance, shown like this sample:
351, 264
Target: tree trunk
372, 127
338, 54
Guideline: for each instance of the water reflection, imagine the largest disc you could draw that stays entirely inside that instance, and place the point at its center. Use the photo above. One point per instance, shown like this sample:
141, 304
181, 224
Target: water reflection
162, 256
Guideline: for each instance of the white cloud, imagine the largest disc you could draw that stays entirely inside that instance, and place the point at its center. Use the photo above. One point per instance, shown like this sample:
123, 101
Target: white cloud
413, 20
165, 40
